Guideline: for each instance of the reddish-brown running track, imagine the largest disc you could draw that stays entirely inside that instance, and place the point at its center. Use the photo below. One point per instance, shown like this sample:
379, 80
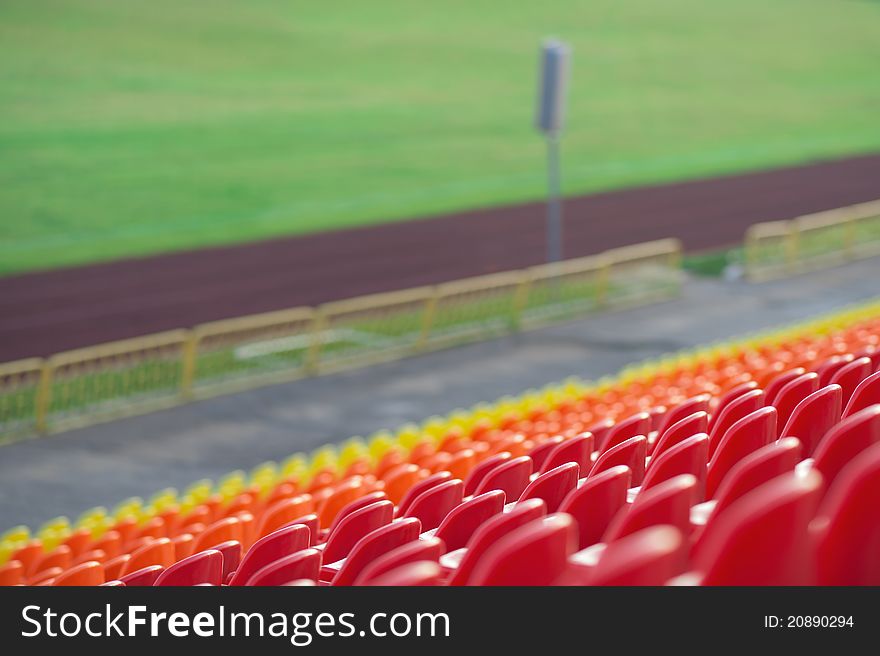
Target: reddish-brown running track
47, 312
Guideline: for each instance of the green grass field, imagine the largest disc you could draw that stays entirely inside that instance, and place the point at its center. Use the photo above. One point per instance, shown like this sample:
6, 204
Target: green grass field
136, 127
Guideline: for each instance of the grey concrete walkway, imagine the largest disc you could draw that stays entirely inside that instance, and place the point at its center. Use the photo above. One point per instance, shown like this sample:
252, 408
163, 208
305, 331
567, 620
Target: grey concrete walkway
70, 472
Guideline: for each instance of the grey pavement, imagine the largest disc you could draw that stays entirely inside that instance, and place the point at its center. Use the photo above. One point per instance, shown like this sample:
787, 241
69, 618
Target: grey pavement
100, 465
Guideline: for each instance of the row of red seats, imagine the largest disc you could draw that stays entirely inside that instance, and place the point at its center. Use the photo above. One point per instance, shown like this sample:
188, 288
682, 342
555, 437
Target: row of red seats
774, 487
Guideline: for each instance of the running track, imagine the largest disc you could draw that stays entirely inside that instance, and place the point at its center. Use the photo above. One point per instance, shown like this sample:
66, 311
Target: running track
46, 312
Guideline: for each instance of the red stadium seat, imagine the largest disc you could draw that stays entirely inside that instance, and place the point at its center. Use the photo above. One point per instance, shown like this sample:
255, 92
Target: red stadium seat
850, 375
270, 548
578, 449
459, 525
534, 554
374, 544
866, 394
493, 530
763, 538
652, 556
638, 424
304, 564
422, 486
203, 567
686, 457
428, 549
699, 403
666, 503
771, 392
727, 416
631, 453
432, 505
814, 416
479, 472
422, 573
354, 526
791, 394
748, 434
144, 577
845, 441
595, 503
847, 526
681, 430
553, 486
510, 477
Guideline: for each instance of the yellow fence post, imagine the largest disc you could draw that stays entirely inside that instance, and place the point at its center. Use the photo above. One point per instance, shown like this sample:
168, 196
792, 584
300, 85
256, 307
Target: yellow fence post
602, 281
427, 319
521, 297
44, 396
188, 366
792, 246
313, 356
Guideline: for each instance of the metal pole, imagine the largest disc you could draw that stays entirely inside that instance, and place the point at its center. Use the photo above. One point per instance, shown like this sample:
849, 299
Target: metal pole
554, 200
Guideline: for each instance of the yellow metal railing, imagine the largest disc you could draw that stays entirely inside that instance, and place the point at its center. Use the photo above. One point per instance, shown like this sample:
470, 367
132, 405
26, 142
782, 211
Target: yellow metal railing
98, 383
782, 248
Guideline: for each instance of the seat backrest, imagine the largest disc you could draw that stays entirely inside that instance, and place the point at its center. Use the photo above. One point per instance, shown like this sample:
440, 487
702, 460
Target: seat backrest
355, 526
668, 502
88, 573
343, 494
850, 375
459, 525
631, 453
578, 449
772, 389
637, 424
284, 511
423, 549
156, 552
755, 469
595, 503
539, 453
304, 564
422, 486
792, 393
829, 368
691, 425
845, 441
479, 472
511, 477
738, 408
732, 395
687, 457
534, 554
866, 394
203, 567
651, 556
699, 403
231, 552
750, 433
268, 549
357, 504
432, 505
374, 544
814, 416
848, 524
228, 528
763, 538
491, 531
553, 486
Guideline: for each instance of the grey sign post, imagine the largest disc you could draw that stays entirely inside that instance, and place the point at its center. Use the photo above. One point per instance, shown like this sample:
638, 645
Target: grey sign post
552, 89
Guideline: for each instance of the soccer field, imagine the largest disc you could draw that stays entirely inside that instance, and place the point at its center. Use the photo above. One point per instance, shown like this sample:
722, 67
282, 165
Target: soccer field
129, 128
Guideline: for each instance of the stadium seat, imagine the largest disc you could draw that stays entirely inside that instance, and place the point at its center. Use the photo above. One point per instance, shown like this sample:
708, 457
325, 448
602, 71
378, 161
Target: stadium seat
847, 526
270, 548
791, 394
578, 449
631, 453
144, 577
814, 416
427, 549
354, 526
866, 394
203, 567
771, 391
638, 424
493, 530
844, 441
699, 403
687, 457
553, 486
459, 525
422, 573
652, 556
850, 375
88, 573
683, 429
432, 505
668, 502
763, 537
374, 544
304, 564
510, 477
422, 486
750, 433
739, 407
533, 554
479, 472
595, 503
